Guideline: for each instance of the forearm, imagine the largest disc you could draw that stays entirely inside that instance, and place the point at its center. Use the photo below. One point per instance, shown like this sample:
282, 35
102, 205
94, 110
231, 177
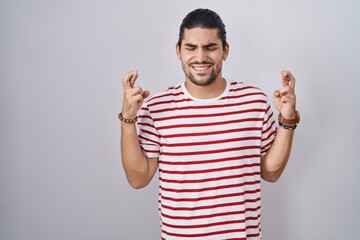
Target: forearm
134, 161
274, 161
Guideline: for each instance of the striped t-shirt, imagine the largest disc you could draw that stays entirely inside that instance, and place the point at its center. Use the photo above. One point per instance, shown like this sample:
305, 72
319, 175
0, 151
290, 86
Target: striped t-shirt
209, 160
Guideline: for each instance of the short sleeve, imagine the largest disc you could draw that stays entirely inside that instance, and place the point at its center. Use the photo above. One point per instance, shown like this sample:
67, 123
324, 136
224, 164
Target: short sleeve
268, 130
149, 138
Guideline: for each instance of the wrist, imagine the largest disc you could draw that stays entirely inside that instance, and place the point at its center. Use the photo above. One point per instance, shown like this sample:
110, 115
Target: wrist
288, 127
289, 123
126, 120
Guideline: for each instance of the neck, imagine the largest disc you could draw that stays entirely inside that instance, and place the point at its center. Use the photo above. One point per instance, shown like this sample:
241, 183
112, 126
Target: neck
206, 92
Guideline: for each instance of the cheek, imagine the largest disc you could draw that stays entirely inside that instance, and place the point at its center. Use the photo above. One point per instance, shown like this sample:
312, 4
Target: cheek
217, 58
186, 57
185, 61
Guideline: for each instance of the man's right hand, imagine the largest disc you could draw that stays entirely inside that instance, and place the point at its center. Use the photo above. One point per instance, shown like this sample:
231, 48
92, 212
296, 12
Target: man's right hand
133, 95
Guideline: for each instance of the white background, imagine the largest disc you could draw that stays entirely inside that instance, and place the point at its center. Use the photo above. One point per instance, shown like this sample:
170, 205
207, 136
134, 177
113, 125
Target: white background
61, 65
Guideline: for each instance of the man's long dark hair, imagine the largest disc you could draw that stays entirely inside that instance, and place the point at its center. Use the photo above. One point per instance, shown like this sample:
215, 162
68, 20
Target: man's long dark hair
204, 18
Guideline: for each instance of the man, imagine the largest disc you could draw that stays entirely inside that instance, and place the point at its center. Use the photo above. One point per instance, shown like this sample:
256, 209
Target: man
211, 139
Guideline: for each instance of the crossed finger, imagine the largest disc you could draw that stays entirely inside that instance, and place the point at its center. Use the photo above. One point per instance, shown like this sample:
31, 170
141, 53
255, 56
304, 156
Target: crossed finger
129, 79
135, 91
288, 79
287, 90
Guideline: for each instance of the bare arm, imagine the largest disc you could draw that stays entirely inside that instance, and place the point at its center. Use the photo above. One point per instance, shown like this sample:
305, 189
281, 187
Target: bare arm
138, 168
274, 161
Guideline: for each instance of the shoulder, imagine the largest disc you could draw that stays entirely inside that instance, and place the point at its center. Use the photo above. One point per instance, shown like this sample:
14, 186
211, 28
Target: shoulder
240, 88
171, 93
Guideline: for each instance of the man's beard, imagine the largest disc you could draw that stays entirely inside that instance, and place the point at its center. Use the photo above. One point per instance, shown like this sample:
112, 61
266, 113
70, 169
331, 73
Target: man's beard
213, 76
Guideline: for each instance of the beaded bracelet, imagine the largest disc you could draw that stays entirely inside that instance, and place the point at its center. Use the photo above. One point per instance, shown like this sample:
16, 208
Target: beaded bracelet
125, 120
287, 127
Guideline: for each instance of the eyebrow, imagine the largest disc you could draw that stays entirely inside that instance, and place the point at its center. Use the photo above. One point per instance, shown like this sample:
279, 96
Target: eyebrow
206, 46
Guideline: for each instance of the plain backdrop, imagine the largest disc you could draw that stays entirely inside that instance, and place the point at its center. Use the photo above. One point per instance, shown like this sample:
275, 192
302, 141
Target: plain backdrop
61, 65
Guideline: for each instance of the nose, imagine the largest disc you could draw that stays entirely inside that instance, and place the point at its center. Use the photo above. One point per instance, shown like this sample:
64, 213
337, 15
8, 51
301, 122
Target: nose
200, 55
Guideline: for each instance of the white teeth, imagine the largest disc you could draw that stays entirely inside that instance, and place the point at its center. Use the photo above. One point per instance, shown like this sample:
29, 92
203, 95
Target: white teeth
200, 68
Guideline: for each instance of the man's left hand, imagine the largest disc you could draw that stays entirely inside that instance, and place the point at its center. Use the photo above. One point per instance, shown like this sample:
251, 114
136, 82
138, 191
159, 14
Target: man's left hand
285, 98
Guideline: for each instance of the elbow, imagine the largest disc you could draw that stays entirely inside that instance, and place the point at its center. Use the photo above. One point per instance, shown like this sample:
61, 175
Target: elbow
271, 173
271, 177
137, 184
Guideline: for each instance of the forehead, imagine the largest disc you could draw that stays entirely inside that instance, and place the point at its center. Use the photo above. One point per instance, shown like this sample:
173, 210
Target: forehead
201, 36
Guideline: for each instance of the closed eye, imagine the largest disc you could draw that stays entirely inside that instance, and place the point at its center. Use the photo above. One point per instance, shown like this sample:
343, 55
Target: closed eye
211, 46
190, 47
207, 47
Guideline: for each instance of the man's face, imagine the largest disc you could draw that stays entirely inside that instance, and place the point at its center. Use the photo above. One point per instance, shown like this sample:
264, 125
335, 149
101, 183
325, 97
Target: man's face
201, 55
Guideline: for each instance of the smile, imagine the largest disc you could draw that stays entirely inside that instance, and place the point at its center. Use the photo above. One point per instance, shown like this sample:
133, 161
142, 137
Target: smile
201, 68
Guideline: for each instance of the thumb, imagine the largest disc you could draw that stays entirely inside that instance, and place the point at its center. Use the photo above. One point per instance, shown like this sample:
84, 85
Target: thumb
276, 94
145, 94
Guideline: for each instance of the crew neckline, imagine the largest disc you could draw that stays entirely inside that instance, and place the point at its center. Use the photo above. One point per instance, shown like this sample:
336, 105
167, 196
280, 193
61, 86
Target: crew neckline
186, 92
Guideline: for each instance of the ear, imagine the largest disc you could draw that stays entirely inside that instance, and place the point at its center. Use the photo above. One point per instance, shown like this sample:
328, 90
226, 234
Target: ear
178, 51
226, 51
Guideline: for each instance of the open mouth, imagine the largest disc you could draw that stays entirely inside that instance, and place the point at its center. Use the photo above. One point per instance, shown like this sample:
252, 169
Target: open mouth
201, 68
